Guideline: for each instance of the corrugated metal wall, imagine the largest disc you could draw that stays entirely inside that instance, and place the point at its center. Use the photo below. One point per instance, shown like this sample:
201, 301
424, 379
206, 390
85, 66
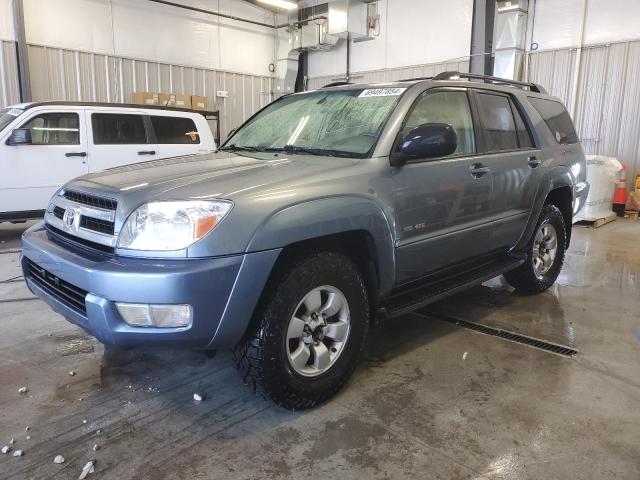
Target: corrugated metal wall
58, 74
608, 102
391, 74
9, 90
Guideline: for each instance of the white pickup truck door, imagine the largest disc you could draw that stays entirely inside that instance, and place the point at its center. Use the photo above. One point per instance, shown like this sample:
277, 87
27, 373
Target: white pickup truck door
118, 138
32, 173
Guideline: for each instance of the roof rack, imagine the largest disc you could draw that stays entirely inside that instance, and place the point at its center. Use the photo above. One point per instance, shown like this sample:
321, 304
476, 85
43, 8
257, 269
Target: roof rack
534, 87
337, 84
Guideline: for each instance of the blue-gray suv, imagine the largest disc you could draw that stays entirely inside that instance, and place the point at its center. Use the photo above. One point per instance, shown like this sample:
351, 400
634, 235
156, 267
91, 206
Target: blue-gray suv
323, 211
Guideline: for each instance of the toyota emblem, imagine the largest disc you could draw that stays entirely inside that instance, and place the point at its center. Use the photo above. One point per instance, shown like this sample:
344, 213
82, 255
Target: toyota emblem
71, 218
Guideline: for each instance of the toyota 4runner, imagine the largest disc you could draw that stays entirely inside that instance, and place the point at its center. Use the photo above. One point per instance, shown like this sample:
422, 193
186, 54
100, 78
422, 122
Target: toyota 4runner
325, 210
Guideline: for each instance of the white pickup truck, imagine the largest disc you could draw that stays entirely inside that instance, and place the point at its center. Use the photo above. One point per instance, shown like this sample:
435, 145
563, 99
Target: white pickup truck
44, 145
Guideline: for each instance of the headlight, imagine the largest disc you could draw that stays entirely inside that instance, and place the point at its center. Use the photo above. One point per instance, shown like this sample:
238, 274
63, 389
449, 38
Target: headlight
172, 225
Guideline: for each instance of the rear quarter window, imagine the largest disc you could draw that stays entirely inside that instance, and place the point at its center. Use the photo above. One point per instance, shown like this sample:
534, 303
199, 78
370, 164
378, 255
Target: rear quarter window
175, 130
557, 119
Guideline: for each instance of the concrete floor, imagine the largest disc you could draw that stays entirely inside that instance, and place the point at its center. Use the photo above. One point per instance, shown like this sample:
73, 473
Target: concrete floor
416, 408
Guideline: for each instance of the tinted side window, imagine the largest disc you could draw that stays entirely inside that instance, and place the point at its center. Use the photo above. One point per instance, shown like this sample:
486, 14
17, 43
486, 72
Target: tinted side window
175, 130
557, 119
54, 129
497, 121
524, 136
445, 107
117, 129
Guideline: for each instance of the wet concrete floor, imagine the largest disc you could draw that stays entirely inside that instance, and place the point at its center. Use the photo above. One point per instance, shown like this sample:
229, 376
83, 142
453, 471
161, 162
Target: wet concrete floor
417, 407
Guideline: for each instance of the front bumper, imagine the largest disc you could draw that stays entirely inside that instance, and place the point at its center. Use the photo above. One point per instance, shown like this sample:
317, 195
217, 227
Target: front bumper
223, 291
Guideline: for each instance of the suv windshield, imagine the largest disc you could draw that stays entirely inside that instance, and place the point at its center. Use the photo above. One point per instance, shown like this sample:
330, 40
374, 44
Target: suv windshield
8, 115
334, 122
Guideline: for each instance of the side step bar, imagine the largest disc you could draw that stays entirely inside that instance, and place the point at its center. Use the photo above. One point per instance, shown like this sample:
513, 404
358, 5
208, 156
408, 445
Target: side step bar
405, 302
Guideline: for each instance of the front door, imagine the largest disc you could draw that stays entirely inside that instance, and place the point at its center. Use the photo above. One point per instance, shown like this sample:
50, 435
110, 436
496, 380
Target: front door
441, 203
31, 174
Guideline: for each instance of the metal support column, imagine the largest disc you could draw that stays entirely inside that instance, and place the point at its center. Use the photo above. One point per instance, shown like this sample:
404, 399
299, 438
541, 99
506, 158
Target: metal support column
24, 80
484, 13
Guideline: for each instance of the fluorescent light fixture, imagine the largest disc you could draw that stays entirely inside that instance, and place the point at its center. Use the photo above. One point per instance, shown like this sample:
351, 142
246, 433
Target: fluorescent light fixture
287, 5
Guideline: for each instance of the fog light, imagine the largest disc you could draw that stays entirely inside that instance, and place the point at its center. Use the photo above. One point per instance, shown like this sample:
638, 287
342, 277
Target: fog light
161, 316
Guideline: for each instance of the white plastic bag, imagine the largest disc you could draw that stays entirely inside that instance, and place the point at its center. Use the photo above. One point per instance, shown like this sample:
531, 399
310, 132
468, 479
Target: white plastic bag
602, 173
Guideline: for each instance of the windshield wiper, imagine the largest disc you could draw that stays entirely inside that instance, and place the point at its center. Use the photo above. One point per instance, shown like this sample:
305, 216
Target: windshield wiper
241, 148
310, 151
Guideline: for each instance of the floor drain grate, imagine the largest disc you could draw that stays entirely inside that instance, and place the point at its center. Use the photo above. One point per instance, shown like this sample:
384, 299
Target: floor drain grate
511, 336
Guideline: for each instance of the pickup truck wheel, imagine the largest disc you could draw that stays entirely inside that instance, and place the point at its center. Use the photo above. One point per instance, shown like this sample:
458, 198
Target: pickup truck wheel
308, 332
545, 254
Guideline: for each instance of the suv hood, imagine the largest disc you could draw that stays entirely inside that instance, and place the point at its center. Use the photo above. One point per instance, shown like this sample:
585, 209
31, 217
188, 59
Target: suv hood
217, 175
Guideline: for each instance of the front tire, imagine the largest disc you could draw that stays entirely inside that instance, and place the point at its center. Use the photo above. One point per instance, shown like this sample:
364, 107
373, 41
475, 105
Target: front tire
308, 331
545, 254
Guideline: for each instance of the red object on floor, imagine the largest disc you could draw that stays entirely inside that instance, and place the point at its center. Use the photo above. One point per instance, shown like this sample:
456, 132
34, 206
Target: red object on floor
620, 195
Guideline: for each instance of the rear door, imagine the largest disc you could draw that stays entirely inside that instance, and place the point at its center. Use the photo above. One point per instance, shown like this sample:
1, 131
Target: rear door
515, 163
441, 203
118, 138
176, 135
32, 173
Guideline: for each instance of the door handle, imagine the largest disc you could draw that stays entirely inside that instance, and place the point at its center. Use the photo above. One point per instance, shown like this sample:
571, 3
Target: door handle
478, 170
533, 161
147, 152
75, 154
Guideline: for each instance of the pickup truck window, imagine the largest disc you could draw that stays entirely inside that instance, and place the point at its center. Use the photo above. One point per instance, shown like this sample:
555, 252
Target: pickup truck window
54, 129
175, 130
117, 129
445, 107
557, 119
498, 123
339, 122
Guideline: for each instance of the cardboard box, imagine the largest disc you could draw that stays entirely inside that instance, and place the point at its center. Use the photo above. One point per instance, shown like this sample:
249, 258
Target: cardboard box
145, 98
183, 101
167, 100
199, 103
175, 101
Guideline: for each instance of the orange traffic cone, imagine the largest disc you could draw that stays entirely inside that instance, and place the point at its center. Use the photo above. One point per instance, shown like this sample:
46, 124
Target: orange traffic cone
620, 195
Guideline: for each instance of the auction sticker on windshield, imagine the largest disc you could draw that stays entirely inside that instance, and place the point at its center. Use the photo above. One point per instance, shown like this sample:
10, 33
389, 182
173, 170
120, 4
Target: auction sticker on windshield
382, 92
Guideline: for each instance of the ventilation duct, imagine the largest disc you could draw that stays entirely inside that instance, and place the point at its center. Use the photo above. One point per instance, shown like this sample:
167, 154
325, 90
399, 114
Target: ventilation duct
510, 31
321, 27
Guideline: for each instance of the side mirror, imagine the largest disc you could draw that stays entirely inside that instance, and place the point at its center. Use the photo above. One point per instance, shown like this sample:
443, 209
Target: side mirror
20, 136
429, 140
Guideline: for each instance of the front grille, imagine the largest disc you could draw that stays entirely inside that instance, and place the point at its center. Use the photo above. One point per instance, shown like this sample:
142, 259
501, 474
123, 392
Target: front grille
80, 241
97, 225
91, 200
83, 218
65, 292
58, 212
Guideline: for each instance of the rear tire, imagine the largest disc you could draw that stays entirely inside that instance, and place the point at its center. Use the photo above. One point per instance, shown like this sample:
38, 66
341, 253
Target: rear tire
308, 331
545, 254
